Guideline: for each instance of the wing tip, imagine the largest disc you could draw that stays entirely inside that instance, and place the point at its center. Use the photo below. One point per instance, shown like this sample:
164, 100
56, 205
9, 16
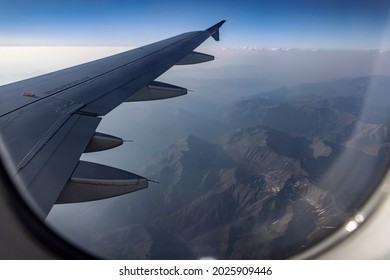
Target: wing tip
214, 30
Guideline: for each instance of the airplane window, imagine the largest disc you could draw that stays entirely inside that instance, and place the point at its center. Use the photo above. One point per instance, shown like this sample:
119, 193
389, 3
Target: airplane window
275, 151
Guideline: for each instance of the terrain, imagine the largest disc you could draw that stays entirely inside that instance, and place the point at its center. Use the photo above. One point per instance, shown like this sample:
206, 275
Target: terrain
286, 171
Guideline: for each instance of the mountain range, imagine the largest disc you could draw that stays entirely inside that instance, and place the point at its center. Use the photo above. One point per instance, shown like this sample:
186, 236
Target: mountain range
286, 171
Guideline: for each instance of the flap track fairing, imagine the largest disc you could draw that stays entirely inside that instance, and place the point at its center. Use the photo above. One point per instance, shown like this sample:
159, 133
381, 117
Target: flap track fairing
101, 142
91, 181
194, 58
156, 91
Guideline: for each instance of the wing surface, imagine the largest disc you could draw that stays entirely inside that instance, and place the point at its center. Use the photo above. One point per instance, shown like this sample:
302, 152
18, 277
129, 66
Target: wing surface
47, 122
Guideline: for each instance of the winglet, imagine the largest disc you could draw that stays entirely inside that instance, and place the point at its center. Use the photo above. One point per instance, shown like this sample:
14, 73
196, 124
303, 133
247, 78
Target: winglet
214, 30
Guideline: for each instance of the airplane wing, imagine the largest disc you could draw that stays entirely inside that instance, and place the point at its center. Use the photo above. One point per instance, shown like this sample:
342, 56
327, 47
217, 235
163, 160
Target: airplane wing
47, 122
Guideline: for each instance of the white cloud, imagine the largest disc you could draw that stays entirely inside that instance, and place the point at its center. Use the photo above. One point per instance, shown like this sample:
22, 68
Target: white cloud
22, 62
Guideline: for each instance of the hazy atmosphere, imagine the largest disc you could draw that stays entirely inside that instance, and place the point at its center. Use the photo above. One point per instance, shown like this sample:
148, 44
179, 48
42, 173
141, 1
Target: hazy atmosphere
248, 163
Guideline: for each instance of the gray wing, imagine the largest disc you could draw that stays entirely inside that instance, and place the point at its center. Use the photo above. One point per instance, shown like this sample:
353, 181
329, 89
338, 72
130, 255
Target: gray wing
47, 122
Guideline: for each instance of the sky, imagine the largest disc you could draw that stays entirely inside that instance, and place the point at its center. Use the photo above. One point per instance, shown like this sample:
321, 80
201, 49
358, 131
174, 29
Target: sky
248, 60
332, 24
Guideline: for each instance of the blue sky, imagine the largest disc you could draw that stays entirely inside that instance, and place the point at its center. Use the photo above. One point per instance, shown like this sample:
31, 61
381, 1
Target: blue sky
354, 24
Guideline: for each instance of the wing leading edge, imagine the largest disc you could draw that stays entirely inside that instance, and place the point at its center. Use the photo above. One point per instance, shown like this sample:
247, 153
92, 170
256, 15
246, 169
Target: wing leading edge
47, 122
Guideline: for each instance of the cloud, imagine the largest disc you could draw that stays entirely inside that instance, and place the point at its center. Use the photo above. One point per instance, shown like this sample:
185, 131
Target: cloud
22, 62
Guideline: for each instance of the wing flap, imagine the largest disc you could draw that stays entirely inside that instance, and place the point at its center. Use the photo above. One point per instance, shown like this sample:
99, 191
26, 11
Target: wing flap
45, 175
25, 132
